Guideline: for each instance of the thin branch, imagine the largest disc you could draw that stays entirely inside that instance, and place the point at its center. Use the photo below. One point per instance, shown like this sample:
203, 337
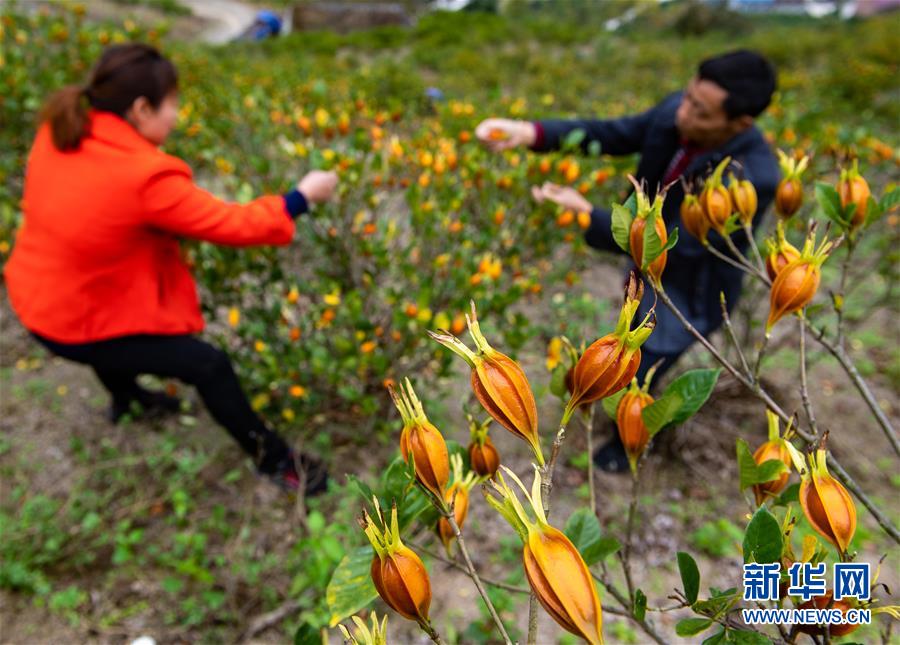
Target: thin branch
759, 358
804, 387
730, 329
626, 553
474, 575
432, 634
748, 231
589, 423
837, 350
847, 363
546, 487
463, 569
743, 259
725, 258
615, 593
760, 393
839, 305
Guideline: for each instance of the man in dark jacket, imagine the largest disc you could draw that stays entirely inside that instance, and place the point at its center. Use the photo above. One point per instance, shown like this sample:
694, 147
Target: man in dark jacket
686, 135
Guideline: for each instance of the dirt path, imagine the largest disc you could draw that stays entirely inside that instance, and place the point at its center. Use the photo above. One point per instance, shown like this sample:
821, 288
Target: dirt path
226, 18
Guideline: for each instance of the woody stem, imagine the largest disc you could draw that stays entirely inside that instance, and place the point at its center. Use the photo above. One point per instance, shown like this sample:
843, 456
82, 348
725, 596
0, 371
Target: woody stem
808, 437
589, 422
626, 555
804, 388
742, 258
748, 230
426, 627
716, 252
546, 487
474, 575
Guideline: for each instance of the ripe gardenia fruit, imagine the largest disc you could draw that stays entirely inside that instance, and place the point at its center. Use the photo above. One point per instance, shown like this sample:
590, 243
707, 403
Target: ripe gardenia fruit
399, 575
789, 194
693, 219
610, 363
715, 198
825, 602
827, 504
456, 496
774, 448
780, 252
555, 569
796, 284
499, 384
632, 429
483, 456
743, 199
636, 234
423, 441
854, 189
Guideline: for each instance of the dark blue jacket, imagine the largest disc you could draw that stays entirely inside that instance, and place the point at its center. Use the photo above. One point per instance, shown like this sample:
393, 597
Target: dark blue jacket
693, 277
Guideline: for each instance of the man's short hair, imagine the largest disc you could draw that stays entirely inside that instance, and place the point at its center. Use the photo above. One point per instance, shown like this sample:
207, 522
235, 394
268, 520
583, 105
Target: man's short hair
748, 78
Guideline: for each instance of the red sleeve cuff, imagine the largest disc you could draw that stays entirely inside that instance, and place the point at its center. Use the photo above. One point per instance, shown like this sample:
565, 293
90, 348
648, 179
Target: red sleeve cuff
538, 136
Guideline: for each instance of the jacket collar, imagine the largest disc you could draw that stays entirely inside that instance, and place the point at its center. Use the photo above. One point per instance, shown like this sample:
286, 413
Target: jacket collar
732, 147
116, 131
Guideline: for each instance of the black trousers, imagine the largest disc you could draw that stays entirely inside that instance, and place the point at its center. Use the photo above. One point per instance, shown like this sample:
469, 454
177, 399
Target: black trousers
117, 363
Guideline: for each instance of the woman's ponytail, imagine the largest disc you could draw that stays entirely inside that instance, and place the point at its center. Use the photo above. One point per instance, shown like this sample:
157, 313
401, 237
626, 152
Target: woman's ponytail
66, 113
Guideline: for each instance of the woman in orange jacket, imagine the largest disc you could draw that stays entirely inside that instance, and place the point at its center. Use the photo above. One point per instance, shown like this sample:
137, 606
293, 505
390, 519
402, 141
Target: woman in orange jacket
97, 274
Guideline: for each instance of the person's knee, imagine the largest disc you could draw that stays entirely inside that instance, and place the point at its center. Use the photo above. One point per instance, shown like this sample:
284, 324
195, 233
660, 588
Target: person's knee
212, 365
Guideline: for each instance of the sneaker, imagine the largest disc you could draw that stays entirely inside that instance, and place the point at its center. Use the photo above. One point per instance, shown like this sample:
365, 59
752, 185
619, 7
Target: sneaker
611, 457
148, 404
316, 475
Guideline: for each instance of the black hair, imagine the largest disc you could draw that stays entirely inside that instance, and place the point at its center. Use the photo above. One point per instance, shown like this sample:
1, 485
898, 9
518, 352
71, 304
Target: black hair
123, 73
748, 77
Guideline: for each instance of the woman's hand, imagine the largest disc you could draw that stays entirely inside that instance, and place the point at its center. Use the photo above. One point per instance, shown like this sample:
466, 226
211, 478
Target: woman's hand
318, 186
503, 134
565, 196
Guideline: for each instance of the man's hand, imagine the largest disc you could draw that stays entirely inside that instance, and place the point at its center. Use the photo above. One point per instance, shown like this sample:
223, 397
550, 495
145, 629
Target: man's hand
318, 186
503, 134
565, 196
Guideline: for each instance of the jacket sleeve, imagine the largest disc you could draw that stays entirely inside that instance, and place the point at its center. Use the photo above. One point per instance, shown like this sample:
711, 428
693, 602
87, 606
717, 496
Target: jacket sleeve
616, 136
173, 203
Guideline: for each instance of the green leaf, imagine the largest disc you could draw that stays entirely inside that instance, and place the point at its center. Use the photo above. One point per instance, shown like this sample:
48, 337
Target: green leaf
770, 469
672, 241
694, 388
631, 204
733, 223
611, 403
890, 200
640, 604
594, 149
558, 381
350, 588
744, 637
873, 212
653, 245
692, 626
763, 541
716, 639
574, 138
621, 226
746, 465
830, 202
690, 576
790, 494
583, 528
752, 473
661, 412
306, 634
